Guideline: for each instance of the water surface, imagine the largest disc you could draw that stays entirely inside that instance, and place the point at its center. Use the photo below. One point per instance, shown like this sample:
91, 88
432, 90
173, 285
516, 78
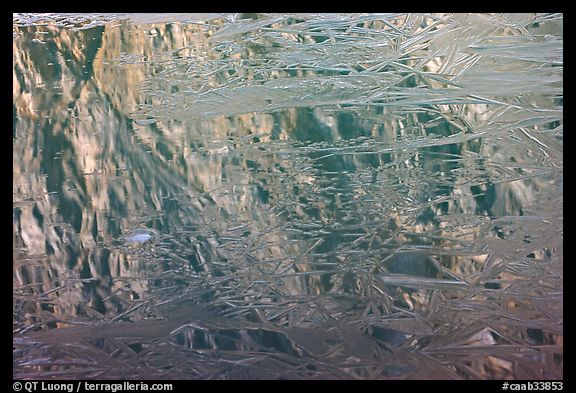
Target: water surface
277, 196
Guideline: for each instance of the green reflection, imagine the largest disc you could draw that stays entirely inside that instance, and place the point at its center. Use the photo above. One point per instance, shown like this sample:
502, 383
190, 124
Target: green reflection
323, 189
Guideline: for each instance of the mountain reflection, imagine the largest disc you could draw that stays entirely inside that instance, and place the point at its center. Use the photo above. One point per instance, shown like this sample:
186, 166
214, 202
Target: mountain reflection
263, 206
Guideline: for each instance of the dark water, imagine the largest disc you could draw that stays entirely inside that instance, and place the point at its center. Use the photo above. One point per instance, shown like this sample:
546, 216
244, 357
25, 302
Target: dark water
257, 196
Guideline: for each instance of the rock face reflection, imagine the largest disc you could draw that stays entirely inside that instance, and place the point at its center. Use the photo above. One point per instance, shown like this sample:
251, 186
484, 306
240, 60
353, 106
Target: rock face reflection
231, 192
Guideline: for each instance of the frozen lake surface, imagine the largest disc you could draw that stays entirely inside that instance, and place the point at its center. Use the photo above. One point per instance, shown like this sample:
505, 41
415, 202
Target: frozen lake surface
288, 196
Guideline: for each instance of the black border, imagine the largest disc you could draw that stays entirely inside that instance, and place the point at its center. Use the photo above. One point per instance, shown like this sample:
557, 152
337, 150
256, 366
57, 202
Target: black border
334, 6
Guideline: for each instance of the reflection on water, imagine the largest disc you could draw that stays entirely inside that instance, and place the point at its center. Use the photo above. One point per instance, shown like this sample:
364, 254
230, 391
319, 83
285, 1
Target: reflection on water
276, 196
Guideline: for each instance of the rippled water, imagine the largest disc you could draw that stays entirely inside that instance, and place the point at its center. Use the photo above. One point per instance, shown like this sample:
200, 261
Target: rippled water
277, 196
